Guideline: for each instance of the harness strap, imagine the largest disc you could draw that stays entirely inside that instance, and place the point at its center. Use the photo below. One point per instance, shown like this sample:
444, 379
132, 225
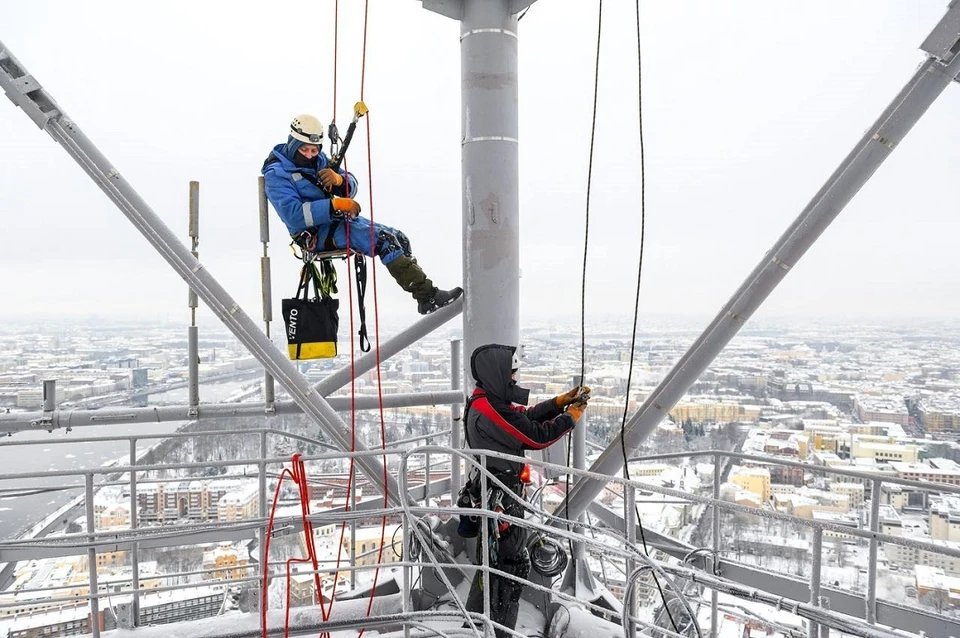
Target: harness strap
487, 410
360, 266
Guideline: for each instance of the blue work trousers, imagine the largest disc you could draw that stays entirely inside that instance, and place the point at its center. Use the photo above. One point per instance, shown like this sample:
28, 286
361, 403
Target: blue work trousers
384, 243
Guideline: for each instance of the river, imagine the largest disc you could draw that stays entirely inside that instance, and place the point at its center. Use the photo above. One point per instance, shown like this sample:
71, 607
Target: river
56, 451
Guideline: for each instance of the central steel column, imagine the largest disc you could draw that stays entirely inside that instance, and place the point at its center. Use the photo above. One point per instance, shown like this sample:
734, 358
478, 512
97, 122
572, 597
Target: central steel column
489, 153
490, 159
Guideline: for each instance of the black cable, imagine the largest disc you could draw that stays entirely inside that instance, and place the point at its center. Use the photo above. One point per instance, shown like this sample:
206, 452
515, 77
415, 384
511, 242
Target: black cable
636, 313
586, 243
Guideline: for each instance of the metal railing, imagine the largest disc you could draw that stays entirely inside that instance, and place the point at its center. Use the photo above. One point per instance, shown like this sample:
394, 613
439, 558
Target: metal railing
613, 544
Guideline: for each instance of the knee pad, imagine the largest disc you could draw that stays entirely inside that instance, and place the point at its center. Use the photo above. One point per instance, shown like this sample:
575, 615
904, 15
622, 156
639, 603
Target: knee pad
387, 243
404, 243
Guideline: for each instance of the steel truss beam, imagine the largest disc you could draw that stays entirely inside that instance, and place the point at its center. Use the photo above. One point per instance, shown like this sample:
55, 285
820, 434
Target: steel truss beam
27, 93
929, 81
20, 421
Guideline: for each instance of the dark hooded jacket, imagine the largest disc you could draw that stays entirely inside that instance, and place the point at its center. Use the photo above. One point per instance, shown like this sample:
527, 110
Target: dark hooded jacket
497, 417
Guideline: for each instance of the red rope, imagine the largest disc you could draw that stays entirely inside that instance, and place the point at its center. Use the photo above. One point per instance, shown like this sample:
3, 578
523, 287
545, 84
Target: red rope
266, 555
376, 319
298, 475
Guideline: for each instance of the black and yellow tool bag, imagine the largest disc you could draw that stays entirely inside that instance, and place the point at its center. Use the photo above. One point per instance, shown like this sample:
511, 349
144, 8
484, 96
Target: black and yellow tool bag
312, 322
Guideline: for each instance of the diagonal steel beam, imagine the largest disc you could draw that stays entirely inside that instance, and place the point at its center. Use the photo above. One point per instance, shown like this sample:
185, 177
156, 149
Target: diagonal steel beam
874, 147
25, 92
336, 380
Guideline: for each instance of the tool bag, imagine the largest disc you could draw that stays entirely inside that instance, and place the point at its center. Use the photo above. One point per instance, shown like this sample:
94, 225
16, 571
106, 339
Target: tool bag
312, 322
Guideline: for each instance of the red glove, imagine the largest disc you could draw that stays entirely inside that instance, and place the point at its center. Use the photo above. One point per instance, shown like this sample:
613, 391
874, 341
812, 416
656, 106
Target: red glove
345, 206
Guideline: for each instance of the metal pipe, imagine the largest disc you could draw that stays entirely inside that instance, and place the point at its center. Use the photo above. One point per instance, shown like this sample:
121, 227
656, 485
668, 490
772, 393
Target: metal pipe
426, 469
406, 576
821, 469
629, 513
92, 557
194, 232
49, 395
193, 340
266, 289
871, 601
364, 363
134, 523
456, 427
353, 530
579, 453
874, 147
18, 421
815, 577
489, 166
193, 368
484, 550
263, 531
715, 520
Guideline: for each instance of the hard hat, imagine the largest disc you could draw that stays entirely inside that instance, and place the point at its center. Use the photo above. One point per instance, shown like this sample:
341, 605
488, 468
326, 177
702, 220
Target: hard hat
307, 129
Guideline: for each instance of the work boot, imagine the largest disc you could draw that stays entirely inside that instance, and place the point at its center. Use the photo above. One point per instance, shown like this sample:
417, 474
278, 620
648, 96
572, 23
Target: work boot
438, 299
412, 279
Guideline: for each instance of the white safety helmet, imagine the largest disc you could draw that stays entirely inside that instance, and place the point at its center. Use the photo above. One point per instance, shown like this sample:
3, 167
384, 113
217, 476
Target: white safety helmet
307, 129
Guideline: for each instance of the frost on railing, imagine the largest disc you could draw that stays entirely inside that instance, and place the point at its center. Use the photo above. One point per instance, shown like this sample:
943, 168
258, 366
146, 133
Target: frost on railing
179, 542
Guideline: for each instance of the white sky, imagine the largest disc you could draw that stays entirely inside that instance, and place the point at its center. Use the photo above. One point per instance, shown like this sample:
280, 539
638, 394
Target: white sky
748, 106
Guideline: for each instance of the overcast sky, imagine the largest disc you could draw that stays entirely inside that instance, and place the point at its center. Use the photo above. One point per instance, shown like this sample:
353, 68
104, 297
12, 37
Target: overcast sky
748, 106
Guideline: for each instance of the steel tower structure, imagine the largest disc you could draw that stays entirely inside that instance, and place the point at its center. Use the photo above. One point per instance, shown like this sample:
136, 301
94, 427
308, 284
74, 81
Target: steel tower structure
488, 44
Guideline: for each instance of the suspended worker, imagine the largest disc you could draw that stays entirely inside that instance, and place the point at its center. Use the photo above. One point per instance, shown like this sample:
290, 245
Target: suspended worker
497, 419
317, 204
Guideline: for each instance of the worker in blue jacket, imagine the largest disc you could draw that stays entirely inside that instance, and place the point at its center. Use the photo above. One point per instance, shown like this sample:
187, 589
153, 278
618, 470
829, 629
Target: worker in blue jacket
316, 203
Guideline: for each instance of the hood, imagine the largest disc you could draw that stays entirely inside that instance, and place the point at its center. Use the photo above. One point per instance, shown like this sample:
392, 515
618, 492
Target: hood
491, 368
283, 153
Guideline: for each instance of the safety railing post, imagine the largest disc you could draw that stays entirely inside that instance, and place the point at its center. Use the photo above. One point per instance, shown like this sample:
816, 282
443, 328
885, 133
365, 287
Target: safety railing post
815, 576
426, 473
134, 523
49, 395
266, 285
630, 526
92, 557
455, 426
193, 355
353, 532
578, 440
484, 549
715, 520
407, 568
824, 629
875, 493
264, 580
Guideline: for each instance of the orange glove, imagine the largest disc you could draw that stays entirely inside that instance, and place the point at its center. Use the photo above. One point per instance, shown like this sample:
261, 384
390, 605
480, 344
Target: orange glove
572, 397
329, 178
345, 206
576, 410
